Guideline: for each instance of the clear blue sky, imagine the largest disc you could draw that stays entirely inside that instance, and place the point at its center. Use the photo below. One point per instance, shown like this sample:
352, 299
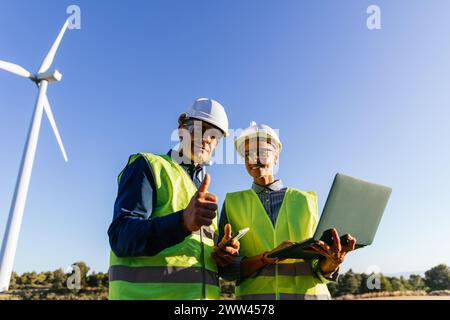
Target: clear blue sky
372, 104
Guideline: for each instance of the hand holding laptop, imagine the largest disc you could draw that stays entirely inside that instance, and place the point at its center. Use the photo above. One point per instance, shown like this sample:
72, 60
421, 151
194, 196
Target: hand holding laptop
333, 254
284, 244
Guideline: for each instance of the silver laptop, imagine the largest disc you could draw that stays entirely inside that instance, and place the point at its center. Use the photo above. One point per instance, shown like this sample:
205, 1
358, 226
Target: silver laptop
353, 206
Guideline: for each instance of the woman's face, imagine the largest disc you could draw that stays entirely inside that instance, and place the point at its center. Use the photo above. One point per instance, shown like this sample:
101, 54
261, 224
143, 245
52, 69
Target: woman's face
260, 157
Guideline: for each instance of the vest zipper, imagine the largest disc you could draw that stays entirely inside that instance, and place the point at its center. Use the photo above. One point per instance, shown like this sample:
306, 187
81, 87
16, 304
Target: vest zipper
277, 295
275, 240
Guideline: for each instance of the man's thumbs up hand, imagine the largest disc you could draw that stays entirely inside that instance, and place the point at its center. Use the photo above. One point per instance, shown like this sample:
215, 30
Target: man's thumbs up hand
205, 184
202, 208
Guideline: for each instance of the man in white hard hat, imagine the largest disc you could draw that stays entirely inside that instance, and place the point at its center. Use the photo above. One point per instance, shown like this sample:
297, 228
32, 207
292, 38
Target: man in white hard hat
164, 227
276, 216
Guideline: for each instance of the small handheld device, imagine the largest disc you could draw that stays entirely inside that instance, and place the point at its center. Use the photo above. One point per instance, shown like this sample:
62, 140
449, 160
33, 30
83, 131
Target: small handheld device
237, 236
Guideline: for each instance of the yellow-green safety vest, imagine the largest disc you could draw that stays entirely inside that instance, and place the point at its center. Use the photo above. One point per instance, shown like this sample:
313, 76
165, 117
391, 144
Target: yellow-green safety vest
288, 279
184, 271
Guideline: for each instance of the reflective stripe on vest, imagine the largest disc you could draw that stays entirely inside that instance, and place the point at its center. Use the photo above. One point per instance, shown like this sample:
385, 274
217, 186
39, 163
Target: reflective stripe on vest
285, 296
285, 269
297, 219
186, 269
162, 274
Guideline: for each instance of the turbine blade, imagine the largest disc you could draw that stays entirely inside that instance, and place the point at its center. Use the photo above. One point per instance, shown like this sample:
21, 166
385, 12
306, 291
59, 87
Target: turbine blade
14, 68
47, 62
49, 113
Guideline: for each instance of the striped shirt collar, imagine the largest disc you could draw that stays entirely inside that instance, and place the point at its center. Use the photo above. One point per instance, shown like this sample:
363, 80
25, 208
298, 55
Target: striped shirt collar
277, 185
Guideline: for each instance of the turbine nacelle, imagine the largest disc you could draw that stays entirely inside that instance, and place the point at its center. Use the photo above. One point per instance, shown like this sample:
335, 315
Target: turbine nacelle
50, 76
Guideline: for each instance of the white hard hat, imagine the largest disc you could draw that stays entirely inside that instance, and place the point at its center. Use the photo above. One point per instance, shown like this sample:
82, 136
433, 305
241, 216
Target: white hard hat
254, 131
210, 111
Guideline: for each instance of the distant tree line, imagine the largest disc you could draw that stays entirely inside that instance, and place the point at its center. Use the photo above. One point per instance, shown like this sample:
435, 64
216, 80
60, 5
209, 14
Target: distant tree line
437, 278
94, 285
58, 279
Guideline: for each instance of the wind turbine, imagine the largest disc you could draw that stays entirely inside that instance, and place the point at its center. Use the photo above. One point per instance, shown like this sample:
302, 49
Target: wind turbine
42, 78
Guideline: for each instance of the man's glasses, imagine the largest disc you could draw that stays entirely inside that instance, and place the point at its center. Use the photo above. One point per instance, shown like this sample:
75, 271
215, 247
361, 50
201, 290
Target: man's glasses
205, 128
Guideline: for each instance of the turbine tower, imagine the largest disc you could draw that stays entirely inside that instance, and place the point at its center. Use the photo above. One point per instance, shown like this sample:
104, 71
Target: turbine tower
42, 78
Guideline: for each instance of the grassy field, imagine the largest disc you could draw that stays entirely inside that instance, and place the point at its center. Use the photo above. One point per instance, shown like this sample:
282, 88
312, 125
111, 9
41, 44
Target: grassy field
400, 295
411, 298
101, 294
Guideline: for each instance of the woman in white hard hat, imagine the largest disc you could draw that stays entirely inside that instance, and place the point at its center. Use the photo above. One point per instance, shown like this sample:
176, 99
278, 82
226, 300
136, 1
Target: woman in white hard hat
276, 216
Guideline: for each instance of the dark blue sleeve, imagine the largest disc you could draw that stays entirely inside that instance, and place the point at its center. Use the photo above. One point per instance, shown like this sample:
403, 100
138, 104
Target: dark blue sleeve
133, 232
